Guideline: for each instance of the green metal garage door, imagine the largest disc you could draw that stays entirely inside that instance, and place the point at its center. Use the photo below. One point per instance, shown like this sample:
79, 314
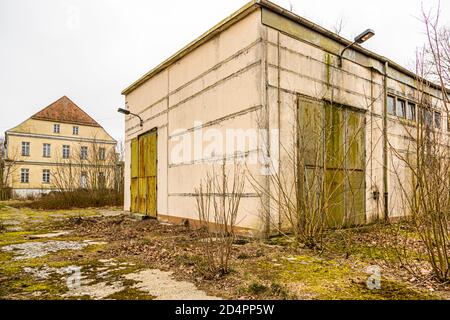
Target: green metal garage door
143, 174
334, 145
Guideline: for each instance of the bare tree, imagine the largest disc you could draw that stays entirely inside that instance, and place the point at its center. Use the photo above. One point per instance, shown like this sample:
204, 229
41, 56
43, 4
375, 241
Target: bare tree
8, 166
339, 26
423, 163
307, 187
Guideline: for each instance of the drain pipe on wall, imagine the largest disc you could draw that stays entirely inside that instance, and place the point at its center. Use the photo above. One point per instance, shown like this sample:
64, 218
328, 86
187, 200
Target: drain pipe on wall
385, 146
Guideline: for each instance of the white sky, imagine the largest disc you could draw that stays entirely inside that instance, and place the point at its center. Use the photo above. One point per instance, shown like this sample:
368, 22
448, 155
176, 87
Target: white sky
90, 50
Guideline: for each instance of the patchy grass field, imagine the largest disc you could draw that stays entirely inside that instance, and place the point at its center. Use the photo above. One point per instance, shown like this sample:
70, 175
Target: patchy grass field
107, 254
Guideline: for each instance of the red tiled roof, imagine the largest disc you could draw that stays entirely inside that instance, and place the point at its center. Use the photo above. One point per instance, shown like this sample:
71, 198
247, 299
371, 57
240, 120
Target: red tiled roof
65, 110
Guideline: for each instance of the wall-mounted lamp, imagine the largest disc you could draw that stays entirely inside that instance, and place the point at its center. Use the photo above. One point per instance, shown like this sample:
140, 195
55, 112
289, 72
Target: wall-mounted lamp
127, 112
363, 37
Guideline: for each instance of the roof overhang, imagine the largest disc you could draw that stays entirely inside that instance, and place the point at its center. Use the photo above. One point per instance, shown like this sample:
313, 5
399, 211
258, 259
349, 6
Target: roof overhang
246, 10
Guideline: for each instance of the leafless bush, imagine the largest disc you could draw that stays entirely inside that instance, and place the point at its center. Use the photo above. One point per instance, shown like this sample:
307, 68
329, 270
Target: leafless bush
218, 198
96, 172
307, 187
423, 171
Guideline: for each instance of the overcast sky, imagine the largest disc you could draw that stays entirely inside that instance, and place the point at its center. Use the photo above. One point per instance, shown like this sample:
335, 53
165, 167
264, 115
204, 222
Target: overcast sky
90, 50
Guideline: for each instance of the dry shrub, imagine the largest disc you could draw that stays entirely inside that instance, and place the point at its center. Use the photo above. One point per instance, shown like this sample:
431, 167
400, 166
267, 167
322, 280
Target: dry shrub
74, 199
218, 198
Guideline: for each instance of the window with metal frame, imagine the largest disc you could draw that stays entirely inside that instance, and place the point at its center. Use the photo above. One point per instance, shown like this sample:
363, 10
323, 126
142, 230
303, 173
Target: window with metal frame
411, 111
401, 108
391, 105
437, 120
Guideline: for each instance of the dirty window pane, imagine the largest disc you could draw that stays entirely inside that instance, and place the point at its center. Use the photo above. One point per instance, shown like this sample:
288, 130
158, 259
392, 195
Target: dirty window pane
391, 105
437, 119
401, 108
411, 111
428, 117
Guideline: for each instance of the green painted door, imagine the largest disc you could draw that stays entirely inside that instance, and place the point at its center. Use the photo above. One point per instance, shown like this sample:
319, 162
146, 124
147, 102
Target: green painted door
134, 175
334, 147
143, 174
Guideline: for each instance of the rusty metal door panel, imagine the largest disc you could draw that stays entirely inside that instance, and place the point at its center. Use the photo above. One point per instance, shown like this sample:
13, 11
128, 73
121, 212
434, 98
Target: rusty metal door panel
335, 197
151, 170
134, 158
310, 116
355, 141
339, 132
355, 195
134, 175
142, 195
335, 137
143, 174
134, 195
355, 168
151, 196
152, 156
142, 150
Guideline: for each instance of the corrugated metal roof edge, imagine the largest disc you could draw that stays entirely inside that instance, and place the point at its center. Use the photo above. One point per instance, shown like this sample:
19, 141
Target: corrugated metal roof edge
243, 12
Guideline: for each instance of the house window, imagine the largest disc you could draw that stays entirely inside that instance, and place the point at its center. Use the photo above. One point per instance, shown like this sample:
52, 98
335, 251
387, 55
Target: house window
101, 180
56, 128
25, 149
46, 150
66, 152
84, 153
428, 118
411, 111
83, 180
391, 105
75, 130
437, 119
101, 154
401, 108
46, 176
24, 175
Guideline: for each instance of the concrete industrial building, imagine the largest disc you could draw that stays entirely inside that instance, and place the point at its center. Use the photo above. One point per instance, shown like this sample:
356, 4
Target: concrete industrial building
253, 70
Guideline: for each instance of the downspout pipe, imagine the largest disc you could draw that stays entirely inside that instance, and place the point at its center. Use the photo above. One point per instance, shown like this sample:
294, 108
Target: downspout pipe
385, 145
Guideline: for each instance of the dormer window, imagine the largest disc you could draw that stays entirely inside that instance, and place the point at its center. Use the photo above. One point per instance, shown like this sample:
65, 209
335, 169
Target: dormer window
56, 128
75, 130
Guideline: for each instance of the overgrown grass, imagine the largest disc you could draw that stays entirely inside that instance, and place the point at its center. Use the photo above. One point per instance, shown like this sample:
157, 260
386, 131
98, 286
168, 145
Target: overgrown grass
74, 199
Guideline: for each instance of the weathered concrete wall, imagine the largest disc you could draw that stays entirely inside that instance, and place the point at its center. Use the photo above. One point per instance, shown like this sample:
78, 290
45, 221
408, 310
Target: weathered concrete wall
302, 61
215, 88
250, 76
